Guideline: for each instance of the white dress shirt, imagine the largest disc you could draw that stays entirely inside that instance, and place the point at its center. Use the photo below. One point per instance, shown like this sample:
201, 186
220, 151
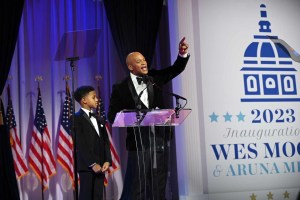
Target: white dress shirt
139, 89
93, 119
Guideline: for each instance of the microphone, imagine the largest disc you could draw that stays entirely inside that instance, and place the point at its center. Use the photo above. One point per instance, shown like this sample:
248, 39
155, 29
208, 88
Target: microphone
138, 102
138, 99
178, 105
170, 93
176, 96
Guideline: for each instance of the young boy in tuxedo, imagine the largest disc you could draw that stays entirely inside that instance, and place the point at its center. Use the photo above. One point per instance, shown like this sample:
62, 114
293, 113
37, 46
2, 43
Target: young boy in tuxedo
92, 145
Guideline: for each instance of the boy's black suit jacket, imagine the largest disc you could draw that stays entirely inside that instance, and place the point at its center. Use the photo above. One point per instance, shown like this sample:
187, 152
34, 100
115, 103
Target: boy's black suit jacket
91, 148
124, 96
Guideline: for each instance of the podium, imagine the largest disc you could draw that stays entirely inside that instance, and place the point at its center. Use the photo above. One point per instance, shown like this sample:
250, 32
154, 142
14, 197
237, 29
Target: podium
151, 128
156, 117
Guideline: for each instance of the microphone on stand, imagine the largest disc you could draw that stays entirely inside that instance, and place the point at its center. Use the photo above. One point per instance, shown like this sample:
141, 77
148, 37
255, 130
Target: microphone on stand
138, 101
148, 81
177, 97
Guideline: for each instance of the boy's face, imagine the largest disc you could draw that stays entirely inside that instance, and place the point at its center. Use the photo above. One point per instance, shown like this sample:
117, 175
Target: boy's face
90, 100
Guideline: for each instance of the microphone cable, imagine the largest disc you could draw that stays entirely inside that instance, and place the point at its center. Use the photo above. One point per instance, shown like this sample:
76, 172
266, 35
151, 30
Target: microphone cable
138, 160
143, 159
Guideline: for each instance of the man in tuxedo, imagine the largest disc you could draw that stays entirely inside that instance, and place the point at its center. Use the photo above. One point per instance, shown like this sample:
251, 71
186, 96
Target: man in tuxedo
147, 147
92, 145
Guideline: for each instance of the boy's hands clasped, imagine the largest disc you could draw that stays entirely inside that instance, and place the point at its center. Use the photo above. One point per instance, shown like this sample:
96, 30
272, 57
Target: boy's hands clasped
98, 169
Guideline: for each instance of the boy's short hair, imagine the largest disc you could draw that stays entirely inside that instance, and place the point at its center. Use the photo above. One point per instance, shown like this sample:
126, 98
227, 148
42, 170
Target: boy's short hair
82, 91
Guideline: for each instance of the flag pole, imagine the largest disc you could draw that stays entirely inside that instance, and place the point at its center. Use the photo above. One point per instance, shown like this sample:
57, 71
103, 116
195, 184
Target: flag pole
38, 79
71, 106
98, 78
115, 165
72, 65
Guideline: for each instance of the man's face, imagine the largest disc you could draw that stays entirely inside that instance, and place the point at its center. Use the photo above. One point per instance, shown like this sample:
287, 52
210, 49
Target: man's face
137, 64
91, 100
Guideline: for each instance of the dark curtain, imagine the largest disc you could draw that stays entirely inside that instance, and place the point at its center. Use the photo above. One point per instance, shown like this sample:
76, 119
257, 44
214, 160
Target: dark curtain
134, 26
10, 12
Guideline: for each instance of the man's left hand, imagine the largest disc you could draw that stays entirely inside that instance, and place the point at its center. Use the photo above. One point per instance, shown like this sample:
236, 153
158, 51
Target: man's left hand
183, 47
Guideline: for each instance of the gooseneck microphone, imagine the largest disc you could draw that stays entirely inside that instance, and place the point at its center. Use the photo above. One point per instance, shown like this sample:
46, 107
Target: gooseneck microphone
177, 97
138, 101
147, 80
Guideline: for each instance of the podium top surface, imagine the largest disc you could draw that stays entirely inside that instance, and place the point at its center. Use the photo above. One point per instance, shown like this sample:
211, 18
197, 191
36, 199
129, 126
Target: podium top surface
80, 44
157, 117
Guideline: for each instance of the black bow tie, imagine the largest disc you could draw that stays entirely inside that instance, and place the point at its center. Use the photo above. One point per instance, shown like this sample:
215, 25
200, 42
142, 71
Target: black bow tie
92, 114
139, 80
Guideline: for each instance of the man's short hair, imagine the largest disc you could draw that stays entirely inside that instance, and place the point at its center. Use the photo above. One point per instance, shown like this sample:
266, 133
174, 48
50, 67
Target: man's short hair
82, 91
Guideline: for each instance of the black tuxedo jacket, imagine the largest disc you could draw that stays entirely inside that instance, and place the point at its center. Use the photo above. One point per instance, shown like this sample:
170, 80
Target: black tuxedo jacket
124, 96
91, 148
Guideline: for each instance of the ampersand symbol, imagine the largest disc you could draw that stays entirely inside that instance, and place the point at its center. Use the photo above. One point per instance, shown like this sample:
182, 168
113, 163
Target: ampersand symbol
217, 171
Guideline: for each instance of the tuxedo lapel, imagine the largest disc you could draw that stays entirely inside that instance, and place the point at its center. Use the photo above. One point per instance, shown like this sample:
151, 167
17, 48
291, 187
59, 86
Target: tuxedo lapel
86, 117
89, 121
150, 95
135, 95
132, 89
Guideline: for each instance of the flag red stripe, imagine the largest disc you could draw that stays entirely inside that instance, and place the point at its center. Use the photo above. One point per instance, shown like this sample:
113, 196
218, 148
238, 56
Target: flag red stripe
65, 138
115, 154
35, 168
17, 169
20, 163
47, 150
65, 152
36, 153
36, 137
21, 167
67, 167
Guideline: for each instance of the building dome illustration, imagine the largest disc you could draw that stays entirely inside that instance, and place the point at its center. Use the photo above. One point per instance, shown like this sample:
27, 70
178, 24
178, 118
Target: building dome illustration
267, 68
263, 47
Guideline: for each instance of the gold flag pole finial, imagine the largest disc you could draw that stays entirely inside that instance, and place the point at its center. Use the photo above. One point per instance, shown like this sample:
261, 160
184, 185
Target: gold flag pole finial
38, 79
67, 78
98, 78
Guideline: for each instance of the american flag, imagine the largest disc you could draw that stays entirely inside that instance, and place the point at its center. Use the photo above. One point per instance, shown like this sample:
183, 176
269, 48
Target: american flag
65, 141
20, 164
41, 158
114, 171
